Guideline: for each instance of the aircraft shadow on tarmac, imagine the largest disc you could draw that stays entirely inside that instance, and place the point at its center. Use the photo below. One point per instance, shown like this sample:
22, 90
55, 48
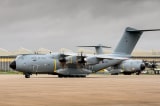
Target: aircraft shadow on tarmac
70, 77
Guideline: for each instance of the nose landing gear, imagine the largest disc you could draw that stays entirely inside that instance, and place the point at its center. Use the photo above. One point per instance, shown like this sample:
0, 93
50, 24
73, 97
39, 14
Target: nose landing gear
27, 75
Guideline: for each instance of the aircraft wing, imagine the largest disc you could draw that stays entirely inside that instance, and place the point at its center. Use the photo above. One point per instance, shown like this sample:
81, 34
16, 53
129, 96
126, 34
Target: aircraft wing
111, 57
70, 54
77, 54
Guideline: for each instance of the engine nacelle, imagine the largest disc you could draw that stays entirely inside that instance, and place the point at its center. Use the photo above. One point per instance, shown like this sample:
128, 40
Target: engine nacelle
92, 60
71, 59
132, 65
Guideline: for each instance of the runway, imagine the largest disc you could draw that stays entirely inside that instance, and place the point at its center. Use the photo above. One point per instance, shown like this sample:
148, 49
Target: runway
95, 90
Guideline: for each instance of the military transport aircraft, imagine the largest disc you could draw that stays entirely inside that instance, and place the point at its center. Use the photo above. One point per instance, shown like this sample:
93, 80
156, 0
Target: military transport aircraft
74, 65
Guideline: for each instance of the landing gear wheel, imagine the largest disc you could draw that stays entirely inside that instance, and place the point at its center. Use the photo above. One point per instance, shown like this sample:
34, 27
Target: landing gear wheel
114, 74
72, 76
83, 76
127, 73
60, 76
138, 73
27, 75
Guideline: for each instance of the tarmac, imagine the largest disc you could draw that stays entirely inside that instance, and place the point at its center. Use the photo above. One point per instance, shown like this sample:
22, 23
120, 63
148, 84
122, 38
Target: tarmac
95, 90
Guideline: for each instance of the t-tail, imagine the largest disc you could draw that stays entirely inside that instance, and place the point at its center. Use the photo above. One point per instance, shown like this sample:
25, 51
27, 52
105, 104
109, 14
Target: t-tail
99, 48
129, 40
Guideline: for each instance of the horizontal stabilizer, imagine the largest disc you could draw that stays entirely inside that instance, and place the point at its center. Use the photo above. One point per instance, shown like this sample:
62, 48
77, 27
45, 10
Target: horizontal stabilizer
98, 48
129, 29
95, 46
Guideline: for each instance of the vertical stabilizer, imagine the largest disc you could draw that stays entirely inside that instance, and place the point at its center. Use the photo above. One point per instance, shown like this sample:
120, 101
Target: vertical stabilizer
99, 49
129, 40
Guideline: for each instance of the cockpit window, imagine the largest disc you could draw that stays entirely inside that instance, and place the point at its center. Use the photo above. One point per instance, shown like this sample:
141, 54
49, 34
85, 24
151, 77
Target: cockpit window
19, 57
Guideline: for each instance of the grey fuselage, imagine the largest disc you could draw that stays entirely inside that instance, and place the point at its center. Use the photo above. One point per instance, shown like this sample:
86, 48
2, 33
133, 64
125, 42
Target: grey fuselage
75, 65
49, 64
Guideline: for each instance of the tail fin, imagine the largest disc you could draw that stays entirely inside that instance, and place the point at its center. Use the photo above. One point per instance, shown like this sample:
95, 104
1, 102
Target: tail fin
129, 40
98, 48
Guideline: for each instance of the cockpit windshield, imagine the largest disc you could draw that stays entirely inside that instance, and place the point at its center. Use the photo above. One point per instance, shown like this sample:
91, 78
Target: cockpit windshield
19, 57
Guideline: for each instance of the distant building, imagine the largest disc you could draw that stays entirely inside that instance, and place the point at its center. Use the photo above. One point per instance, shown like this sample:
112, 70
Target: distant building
5, 62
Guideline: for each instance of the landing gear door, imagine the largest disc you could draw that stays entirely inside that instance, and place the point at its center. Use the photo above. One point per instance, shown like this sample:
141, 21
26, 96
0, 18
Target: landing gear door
35, 68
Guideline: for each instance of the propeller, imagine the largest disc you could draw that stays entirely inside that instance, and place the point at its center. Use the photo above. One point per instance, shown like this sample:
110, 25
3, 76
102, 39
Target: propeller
152, 65
73, 59
81, 59
62, 59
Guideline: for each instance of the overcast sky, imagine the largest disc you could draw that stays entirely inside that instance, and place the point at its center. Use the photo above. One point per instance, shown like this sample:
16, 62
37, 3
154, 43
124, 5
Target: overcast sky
55, 24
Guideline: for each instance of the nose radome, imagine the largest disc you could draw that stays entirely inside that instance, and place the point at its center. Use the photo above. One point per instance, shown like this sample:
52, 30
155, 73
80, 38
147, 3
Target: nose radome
142, 66
13, 65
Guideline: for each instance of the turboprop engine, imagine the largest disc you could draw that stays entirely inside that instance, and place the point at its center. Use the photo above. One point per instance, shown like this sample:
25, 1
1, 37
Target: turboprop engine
131, 66
92, 60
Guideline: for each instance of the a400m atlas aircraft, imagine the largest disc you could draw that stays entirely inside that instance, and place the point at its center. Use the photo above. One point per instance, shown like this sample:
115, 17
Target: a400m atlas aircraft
73, 65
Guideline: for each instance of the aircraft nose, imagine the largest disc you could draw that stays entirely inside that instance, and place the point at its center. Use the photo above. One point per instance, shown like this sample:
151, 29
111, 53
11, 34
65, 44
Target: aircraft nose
13, 65
142, 66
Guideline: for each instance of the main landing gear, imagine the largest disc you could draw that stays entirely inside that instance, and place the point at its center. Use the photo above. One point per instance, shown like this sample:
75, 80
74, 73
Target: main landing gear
71, 76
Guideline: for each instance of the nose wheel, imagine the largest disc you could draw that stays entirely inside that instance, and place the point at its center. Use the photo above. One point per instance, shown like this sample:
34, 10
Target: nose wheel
27, 75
